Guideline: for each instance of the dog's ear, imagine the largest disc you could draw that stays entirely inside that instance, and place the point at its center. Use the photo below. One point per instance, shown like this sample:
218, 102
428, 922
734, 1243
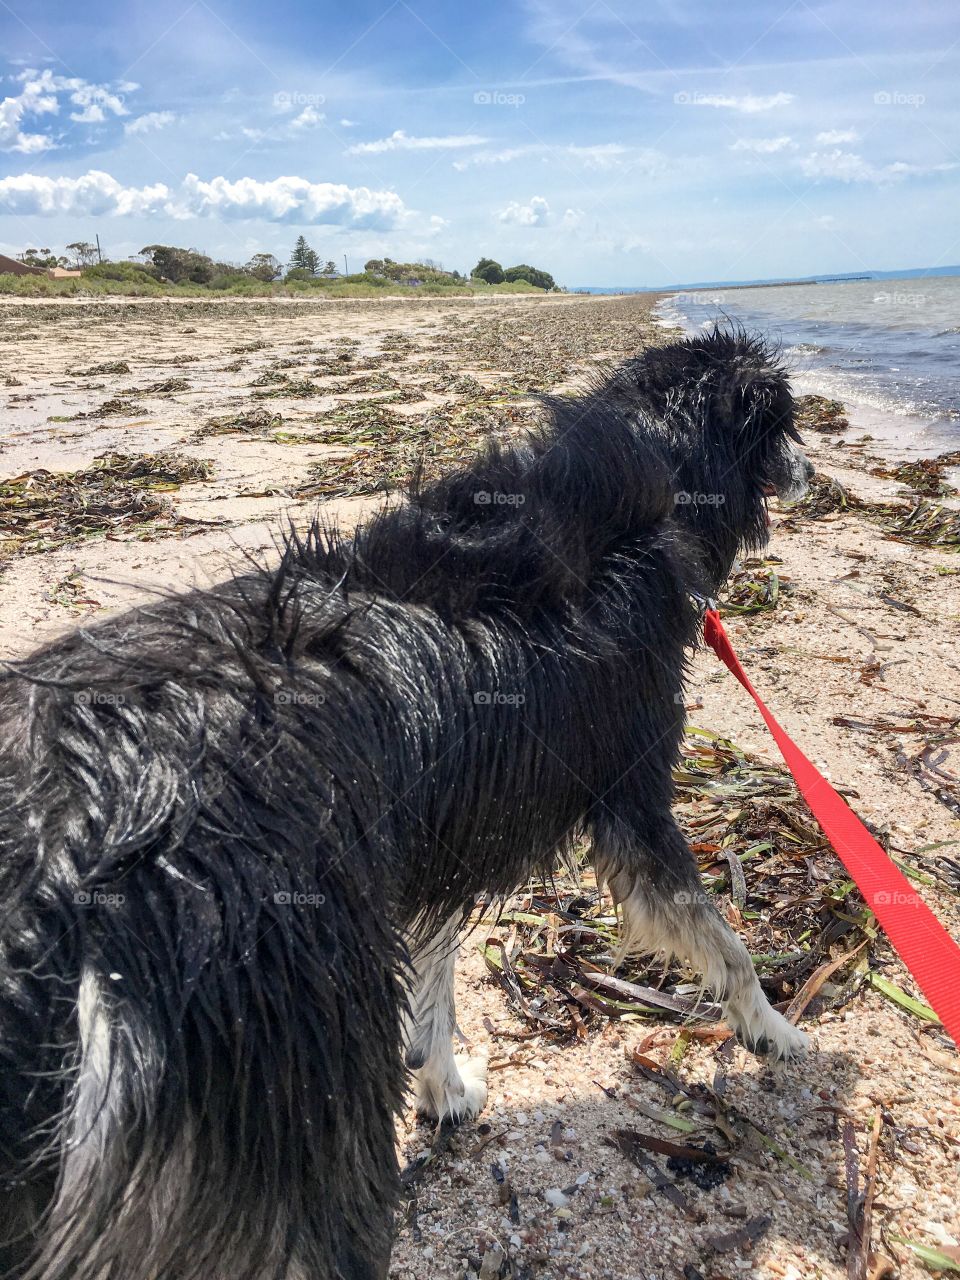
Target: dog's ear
766, 406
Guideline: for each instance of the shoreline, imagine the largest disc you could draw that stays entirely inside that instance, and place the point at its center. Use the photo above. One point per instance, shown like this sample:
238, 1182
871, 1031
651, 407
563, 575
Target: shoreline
857, 656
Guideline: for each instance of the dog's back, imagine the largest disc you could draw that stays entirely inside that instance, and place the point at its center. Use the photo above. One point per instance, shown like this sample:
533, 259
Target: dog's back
199, 1010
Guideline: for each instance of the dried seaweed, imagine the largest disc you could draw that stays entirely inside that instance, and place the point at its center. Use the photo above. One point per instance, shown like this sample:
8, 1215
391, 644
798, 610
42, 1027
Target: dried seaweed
252, 422
97, 370
392, 447
818, 413
554, 947
115, 495
754, 587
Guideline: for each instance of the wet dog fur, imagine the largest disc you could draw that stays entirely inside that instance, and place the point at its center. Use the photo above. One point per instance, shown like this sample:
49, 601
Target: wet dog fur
240, 828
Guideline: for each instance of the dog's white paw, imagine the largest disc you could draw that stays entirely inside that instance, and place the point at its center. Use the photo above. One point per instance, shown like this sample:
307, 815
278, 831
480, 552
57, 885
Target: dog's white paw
762, 1030
459, 1094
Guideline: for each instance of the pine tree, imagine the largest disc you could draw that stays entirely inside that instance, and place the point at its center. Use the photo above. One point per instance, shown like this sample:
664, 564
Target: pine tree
304, 257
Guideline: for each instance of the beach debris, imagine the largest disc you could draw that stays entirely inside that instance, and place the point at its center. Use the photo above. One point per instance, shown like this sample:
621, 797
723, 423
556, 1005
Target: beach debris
301, 390
97, 370
166, 387
553, 948
753, 587
71, 593
860, 1198
930, 524
255, 422
925, 523
391, 447
933, 1259
923, 476
744, 1237
378, 381
117, 494
117, 407
819, 413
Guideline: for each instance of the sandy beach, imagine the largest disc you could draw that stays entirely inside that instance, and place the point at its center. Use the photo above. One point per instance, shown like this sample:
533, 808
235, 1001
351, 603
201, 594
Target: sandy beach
292, 405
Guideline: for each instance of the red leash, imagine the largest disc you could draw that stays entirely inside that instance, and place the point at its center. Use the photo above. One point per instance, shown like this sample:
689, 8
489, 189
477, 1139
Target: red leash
924, 945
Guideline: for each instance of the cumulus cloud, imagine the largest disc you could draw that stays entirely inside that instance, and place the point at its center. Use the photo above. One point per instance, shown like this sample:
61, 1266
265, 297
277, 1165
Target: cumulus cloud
534, 214
93, 194
286, 199
834, 137
40, 94
149, 123
748, 103
309, 118
400, 141
763, 146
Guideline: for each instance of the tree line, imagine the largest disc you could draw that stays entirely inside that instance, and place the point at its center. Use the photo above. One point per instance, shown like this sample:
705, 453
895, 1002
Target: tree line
160, 262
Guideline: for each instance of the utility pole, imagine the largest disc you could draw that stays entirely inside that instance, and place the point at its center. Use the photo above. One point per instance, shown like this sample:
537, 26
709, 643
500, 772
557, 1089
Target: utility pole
99, 254
346, 269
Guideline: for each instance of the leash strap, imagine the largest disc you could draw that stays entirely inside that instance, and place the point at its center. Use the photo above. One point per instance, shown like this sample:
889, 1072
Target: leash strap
923, 944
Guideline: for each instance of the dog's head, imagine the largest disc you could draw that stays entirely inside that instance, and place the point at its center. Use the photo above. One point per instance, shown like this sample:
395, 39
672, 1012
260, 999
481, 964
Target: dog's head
723, 402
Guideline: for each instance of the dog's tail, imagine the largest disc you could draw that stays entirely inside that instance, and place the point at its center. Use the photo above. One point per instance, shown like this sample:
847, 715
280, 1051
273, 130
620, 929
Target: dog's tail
199, 1016
262, 1164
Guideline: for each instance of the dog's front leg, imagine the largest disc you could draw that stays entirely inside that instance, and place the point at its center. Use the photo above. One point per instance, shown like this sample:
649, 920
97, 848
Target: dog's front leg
653, 876
446, 1087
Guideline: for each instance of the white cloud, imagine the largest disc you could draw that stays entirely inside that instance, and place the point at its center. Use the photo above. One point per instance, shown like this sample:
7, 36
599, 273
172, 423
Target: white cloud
847, 166
348, 124
400, 141
96, 101
534, 214
93, 194
286, 200
40, 95
572, 218
309, 118
748, 103
833, 137
764, 146
153, 120
601, 155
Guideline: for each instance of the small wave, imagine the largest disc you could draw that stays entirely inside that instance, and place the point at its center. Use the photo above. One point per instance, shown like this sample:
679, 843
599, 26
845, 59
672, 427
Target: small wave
807, 349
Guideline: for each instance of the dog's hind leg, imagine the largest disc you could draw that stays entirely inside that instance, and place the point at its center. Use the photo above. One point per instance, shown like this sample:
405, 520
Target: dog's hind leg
653, 876
446, 1087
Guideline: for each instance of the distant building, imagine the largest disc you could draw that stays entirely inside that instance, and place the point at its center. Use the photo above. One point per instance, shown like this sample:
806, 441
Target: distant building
14, 267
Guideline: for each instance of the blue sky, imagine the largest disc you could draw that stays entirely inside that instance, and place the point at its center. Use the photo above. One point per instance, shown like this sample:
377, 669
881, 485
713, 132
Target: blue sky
630, 142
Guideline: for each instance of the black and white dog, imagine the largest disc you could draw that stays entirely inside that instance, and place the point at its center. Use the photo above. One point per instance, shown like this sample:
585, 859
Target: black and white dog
228, 821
